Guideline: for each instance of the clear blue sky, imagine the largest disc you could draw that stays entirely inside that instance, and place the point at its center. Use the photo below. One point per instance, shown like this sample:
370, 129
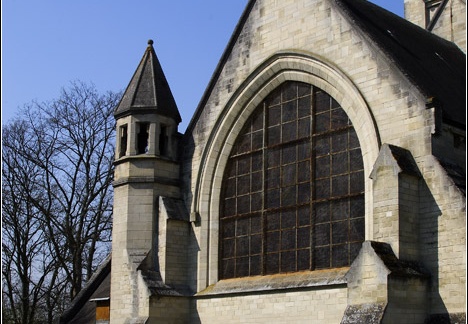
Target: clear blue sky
47, 44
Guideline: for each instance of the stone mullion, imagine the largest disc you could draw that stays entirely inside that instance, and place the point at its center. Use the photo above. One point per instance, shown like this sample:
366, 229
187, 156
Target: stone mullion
312, 177
264, 169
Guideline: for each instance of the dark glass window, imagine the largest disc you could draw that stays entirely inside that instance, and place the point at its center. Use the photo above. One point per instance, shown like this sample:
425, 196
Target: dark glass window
293, 189
142, 138
123, 133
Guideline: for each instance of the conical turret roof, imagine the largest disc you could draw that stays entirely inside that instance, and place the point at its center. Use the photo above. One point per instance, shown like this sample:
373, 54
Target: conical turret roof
148, 91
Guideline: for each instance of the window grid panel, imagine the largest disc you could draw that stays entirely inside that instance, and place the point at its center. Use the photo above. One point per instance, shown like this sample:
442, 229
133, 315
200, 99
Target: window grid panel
296, 171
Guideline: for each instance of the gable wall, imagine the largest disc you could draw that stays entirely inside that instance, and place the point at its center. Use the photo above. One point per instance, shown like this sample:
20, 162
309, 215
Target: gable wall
317, 29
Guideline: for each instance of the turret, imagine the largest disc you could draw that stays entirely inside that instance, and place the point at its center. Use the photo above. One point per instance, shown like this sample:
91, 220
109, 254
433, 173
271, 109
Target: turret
147, 116
146, 168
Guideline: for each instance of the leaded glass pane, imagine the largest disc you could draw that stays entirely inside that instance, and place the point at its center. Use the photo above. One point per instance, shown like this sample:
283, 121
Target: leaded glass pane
274, 116
322, 101
303, 171
256, 244
243, 226
339, 142
273, 178
288, 239
257, 141
303, 216
244, 144
243, 204
340, 255
355, 160
322, 212
339, 163
288, 261
303, 89
243, 184
273, 198
303, 260
288, 219
339, 209
242, 246
273, 157
256, 224
288, 154
303, 194
229, 228
273, 221
242, 266
274, 135
322, 234
272, 263
289, 91
303, 237
322, 122
255, 265
322, 257
229, 248
339, 118
303, 128
288, 175
273, 240
303, 105
289, 111
288, 196
339, 232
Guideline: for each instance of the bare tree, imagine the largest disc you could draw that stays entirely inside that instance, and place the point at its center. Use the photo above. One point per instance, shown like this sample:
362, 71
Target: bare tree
57, 171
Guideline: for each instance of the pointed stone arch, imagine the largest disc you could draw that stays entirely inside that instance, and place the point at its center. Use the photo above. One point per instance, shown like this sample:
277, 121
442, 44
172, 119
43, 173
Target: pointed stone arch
281, 67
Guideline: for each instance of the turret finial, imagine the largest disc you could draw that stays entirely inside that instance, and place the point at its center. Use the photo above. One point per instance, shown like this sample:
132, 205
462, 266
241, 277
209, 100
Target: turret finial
150, 42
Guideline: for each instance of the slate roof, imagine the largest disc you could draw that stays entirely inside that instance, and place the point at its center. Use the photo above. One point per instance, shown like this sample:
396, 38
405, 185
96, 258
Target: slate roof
154, 281
148, 90
435, 65
456, 173
397, 267
405, 160
176, 209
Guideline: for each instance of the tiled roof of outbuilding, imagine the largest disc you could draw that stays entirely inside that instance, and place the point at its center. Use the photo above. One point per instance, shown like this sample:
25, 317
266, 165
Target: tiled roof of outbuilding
148, 90
81, 310
436, 66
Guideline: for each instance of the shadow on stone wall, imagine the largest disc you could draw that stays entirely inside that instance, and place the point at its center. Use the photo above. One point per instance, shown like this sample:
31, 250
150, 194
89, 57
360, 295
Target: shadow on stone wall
430, 215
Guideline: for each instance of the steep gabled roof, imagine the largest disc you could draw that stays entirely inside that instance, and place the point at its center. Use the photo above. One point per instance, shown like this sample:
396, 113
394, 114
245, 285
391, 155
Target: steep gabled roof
148, 90
436, 66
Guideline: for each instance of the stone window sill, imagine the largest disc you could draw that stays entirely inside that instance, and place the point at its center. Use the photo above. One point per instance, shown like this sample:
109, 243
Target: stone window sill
287, 281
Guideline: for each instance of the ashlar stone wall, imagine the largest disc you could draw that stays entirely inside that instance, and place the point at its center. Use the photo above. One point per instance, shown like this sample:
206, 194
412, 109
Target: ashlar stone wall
313, 41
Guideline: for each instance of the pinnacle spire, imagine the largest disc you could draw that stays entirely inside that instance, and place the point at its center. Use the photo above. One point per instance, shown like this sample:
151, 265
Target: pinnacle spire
148, 90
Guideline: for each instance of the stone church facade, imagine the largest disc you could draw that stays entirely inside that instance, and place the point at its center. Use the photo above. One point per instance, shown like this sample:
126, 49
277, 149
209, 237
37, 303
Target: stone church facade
320, 180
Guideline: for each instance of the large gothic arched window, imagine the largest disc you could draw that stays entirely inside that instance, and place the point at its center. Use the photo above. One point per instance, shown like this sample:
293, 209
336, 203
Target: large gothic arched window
293, 189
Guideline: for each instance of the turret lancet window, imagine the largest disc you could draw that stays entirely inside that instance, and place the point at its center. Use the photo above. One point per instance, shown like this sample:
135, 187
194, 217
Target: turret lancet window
293, 188
123, 134
142, 138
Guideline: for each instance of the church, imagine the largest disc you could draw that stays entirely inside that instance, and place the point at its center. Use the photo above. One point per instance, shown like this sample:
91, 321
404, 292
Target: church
321, 178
